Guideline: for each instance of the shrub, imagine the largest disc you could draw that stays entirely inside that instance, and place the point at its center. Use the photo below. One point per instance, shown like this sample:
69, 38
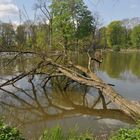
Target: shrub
127, 134
9, 133
116, 48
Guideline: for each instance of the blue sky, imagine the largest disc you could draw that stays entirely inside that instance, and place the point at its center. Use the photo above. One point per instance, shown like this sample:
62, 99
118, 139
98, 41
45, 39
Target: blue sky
109, 10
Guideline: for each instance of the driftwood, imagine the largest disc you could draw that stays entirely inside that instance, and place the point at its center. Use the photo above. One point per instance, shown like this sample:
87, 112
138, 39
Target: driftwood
79, 74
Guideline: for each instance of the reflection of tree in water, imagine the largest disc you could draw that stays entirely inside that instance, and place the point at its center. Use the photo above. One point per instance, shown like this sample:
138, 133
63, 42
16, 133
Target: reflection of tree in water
45, 91
19, 64
135, 64
112, 65
116, 63
37, 101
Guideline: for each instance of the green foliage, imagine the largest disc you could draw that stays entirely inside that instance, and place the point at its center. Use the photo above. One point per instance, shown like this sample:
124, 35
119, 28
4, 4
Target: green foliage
72, 21
7, 35
41, 37
71, 26
31, 35
57, 134
62, 25
135, 36
9, 133
102, 37
116, 34
21, 35
84, 21
128, 39
116, 48
127, 134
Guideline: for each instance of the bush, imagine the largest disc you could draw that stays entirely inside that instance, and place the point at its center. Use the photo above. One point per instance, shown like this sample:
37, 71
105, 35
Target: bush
9, 133
116, 48
57, 134
127, 134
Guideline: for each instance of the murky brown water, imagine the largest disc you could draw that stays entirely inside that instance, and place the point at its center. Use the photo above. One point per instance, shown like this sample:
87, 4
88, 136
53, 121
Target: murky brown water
33, 107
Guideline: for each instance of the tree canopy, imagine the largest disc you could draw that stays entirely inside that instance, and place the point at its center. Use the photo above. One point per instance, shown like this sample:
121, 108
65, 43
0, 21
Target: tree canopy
7, 35
71, 20
116, 34
68, 24
135, 36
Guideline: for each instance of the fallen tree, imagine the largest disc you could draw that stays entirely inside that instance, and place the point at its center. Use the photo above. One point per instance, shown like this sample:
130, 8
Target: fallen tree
94, 81
54, 66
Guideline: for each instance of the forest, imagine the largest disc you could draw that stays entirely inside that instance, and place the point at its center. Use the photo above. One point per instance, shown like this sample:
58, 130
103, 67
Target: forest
67, 25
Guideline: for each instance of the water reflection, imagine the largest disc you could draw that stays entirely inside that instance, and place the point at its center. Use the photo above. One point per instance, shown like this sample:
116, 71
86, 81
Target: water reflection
40, 99
114, 64
123, 71
33, 100
117, 63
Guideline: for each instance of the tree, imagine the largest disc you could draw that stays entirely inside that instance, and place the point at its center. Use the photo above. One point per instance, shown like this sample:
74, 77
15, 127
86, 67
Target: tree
43, 6
135, 36
71, 20
63, 25
7, 35
102, 37
21, 36
116, 34
128, 38
85, 24
41, 36
31, 30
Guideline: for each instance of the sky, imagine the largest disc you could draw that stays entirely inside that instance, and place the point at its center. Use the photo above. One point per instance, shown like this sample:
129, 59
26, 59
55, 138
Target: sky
108, 10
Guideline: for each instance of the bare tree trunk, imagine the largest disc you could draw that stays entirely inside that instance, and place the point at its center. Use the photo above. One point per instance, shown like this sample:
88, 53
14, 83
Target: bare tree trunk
94, 81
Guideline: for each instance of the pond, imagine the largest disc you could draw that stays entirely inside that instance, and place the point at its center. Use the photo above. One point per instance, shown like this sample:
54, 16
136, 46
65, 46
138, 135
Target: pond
32, 106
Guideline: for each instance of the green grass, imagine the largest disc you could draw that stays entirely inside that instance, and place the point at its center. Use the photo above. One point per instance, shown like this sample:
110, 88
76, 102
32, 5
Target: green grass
57, 134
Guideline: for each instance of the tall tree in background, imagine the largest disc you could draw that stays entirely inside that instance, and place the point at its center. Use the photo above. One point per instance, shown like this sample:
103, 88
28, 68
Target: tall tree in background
42, 36
71, 20
85, 23
44, 7
63, 25
21, 36
31, 30
103, 37
7, 35
116, 34
135, 36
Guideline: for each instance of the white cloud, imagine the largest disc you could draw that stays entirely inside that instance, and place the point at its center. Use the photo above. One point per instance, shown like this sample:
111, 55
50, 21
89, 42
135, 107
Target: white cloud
7, 8
133, 6
5, 1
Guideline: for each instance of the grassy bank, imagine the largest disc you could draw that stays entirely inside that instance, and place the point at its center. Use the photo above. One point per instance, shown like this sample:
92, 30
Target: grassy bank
10, 133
